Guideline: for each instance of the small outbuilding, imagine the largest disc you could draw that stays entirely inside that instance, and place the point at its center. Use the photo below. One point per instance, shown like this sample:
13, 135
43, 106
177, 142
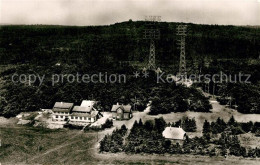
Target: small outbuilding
121, 112
175, 134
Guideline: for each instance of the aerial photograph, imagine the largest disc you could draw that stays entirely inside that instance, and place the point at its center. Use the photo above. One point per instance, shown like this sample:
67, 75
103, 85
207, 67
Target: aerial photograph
129, 82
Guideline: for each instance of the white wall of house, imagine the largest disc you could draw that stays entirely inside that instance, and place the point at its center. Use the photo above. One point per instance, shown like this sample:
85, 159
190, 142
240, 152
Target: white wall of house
82, 119
60, 116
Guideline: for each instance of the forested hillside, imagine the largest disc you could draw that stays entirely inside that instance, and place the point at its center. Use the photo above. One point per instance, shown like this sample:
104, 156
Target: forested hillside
120, 48
44, 44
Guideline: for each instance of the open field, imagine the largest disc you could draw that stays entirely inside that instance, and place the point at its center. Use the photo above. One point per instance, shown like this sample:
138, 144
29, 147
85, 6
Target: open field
25, 145
172, 159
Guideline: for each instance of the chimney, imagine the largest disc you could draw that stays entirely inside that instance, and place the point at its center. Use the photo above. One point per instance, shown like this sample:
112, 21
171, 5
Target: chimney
179, 126
117, 103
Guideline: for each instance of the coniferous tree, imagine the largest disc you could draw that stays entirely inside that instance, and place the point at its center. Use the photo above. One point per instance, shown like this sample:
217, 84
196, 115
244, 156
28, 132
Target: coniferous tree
160, 124
232, 121
206, 127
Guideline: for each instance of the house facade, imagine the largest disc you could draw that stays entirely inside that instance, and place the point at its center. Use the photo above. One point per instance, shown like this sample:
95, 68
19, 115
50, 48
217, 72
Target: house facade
121, 112
80, 115
83, 115
61, 111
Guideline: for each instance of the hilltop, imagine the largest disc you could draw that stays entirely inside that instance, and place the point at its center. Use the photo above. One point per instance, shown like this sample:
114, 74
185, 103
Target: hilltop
96, 45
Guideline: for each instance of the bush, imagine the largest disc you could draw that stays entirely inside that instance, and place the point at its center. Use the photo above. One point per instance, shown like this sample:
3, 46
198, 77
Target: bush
107, 124
71, 126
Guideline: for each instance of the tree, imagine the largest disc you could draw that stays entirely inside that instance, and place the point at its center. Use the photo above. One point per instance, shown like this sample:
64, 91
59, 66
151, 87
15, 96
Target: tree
140, 124
232, 121
148, 125
212, 152
160, 124
206, 127
167, 145
224, 151
189, 125
193, 125
251, 152
123, 129
247, 126
108, 124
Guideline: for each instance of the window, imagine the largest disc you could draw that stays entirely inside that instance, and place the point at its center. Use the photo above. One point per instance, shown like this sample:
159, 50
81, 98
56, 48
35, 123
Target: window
57, 116
76, 117
89, 118
85, 118
72, 117
80, 118
61, 116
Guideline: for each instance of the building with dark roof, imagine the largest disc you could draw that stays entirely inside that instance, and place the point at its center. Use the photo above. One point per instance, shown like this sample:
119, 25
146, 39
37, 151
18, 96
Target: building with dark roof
81, 115
61, 111
121, 112
84, 114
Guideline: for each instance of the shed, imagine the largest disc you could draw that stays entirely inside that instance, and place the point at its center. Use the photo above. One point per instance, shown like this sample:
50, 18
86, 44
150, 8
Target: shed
174, 133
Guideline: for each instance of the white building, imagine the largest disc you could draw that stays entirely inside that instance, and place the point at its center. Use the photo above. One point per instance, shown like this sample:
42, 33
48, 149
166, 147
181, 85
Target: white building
83, 115
80, 115
61, 111
175, 134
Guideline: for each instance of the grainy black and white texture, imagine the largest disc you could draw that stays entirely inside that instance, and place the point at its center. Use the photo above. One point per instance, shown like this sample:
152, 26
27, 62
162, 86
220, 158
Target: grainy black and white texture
129, 82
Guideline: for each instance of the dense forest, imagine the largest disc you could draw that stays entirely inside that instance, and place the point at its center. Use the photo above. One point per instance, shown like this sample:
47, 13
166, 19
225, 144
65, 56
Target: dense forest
120, 48
98, 45
17, 97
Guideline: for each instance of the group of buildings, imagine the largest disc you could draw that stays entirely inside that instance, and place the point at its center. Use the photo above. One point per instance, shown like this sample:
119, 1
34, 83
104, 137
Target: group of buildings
87, 112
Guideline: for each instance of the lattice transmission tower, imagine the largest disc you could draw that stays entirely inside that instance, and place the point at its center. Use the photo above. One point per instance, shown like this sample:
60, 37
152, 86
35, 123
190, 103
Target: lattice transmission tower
152, 33
182, 32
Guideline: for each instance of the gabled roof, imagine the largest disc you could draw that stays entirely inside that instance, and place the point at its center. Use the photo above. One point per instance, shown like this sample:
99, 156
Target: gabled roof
62, 107
88, 103
92, 114
82, 109
125, 108
174, 133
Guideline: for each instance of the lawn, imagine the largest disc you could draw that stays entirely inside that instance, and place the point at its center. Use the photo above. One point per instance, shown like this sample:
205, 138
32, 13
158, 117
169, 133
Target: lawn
22, 144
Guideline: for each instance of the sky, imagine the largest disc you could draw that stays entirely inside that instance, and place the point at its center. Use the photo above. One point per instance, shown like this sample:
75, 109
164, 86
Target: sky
105, 12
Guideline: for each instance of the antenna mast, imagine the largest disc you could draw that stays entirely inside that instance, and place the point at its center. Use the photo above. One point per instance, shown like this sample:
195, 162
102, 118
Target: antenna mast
152, 33
181, 31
